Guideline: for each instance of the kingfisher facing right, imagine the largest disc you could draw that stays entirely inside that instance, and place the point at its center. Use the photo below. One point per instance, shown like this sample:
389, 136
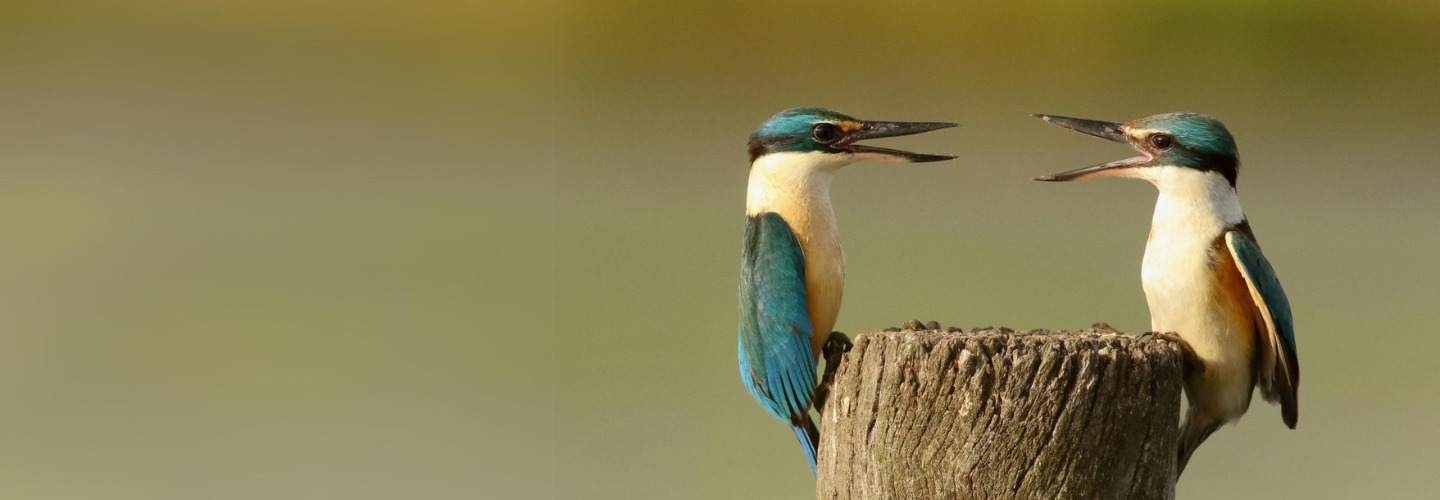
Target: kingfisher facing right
1204, 276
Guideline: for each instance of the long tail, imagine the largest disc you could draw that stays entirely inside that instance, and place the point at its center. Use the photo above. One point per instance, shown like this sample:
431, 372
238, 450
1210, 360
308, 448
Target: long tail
1193, 432
809, 437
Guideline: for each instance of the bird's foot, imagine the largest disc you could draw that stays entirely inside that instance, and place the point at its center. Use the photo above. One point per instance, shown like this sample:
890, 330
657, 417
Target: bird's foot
834, 350
1105, 327
835, 347
1193, 365
1160, 335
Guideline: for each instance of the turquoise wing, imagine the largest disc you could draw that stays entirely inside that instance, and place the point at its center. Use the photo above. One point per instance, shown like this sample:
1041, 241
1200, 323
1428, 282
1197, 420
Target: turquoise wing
775, 358
1284, 381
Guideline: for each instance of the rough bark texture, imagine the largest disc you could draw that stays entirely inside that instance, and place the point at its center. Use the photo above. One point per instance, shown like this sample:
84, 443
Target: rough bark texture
1000, 414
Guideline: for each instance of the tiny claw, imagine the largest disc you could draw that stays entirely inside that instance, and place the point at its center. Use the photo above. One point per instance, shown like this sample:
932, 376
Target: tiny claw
835, 346
1193, 365
834, 351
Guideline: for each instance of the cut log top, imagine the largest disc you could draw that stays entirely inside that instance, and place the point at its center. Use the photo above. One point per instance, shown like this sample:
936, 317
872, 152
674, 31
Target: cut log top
1001, 414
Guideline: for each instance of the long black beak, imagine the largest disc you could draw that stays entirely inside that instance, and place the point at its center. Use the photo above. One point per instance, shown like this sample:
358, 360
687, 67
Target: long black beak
876, 130
1105, 130
1097, 128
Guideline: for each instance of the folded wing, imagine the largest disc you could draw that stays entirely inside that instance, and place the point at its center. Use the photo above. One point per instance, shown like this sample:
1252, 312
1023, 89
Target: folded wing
1281, 379
776, 363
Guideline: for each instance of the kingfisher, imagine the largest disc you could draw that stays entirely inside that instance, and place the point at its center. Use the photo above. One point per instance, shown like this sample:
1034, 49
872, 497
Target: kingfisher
792, 273
1204, 276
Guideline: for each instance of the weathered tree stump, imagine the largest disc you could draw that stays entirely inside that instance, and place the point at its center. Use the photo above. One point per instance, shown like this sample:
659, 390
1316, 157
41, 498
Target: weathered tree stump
1001, 414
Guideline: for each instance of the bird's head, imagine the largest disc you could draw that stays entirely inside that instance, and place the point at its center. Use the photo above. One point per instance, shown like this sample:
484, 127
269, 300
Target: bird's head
824, 132
1184, 140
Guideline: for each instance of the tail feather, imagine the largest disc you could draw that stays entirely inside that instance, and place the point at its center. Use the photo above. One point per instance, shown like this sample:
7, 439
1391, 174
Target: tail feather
809, 437
1193, 432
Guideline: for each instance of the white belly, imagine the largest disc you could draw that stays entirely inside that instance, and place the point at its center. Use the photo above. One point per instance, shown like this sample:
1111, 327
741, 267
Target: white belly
1191, 286
1176, 275
1191, 290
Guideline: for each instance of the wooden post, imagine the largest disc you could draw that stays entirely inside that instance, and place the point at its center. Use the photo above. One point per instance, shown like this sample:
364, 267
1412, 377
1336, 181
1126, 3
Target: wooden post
997, 414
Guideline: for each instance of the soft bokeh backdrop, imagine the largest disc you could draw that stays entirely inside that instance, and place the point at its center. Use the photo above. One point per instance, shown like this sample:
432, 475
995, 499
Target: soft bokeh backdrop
457, 249
267, 249
1337, 116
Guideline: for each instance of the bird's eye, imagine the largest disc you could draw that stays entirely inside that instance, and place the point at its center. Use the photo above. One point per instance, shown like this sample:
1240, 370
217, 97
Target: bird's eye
1162, 141
825, 133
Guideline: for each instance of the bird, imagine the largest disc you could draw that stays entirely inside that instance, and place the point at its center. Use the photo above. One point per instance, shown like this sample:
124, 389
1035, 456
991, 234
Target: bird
1204, 276
792, 272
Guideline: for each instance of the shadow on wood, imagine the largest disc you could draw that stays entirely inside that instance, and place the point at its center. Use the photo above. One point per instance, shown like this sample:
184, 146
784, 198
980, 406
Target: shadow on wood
1001, 414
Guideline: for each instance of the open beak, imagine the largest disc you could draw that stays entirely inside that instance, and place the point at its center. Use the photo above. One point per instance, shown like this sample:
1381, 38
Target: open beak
876, 130
1104, 130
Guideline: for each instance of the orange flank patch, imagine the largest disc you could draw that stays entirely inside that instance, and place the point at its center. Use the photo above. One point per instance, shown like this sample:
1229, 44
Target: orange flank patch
1234, 302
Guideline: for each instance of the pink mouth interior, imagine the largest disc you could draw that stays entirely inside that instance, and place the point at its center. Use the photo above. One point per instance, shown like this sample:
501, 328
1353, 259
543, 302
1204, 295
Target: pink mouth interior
1144, 157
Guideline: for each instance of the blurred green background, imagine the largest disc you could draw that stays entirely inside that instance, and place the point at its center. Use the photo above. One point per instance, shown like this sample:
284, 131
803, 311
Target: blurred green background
275, 249
249, 250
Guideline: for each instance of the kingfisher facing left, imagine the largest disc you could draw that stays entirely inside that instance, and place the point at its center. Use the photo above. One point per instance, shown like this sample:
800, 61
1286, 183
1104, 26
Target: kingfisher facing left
793, 272
1203, 274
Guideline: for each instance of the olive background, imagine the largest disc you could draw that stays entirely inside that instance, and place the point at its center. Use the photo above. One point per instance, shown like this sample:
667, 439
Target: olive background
450, 249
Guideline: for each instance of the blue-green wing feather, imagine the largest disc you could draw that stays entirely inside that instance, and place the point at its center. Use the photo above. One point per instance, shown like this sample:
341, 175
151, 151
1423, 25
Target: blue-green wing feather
1270, 297
776, 363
